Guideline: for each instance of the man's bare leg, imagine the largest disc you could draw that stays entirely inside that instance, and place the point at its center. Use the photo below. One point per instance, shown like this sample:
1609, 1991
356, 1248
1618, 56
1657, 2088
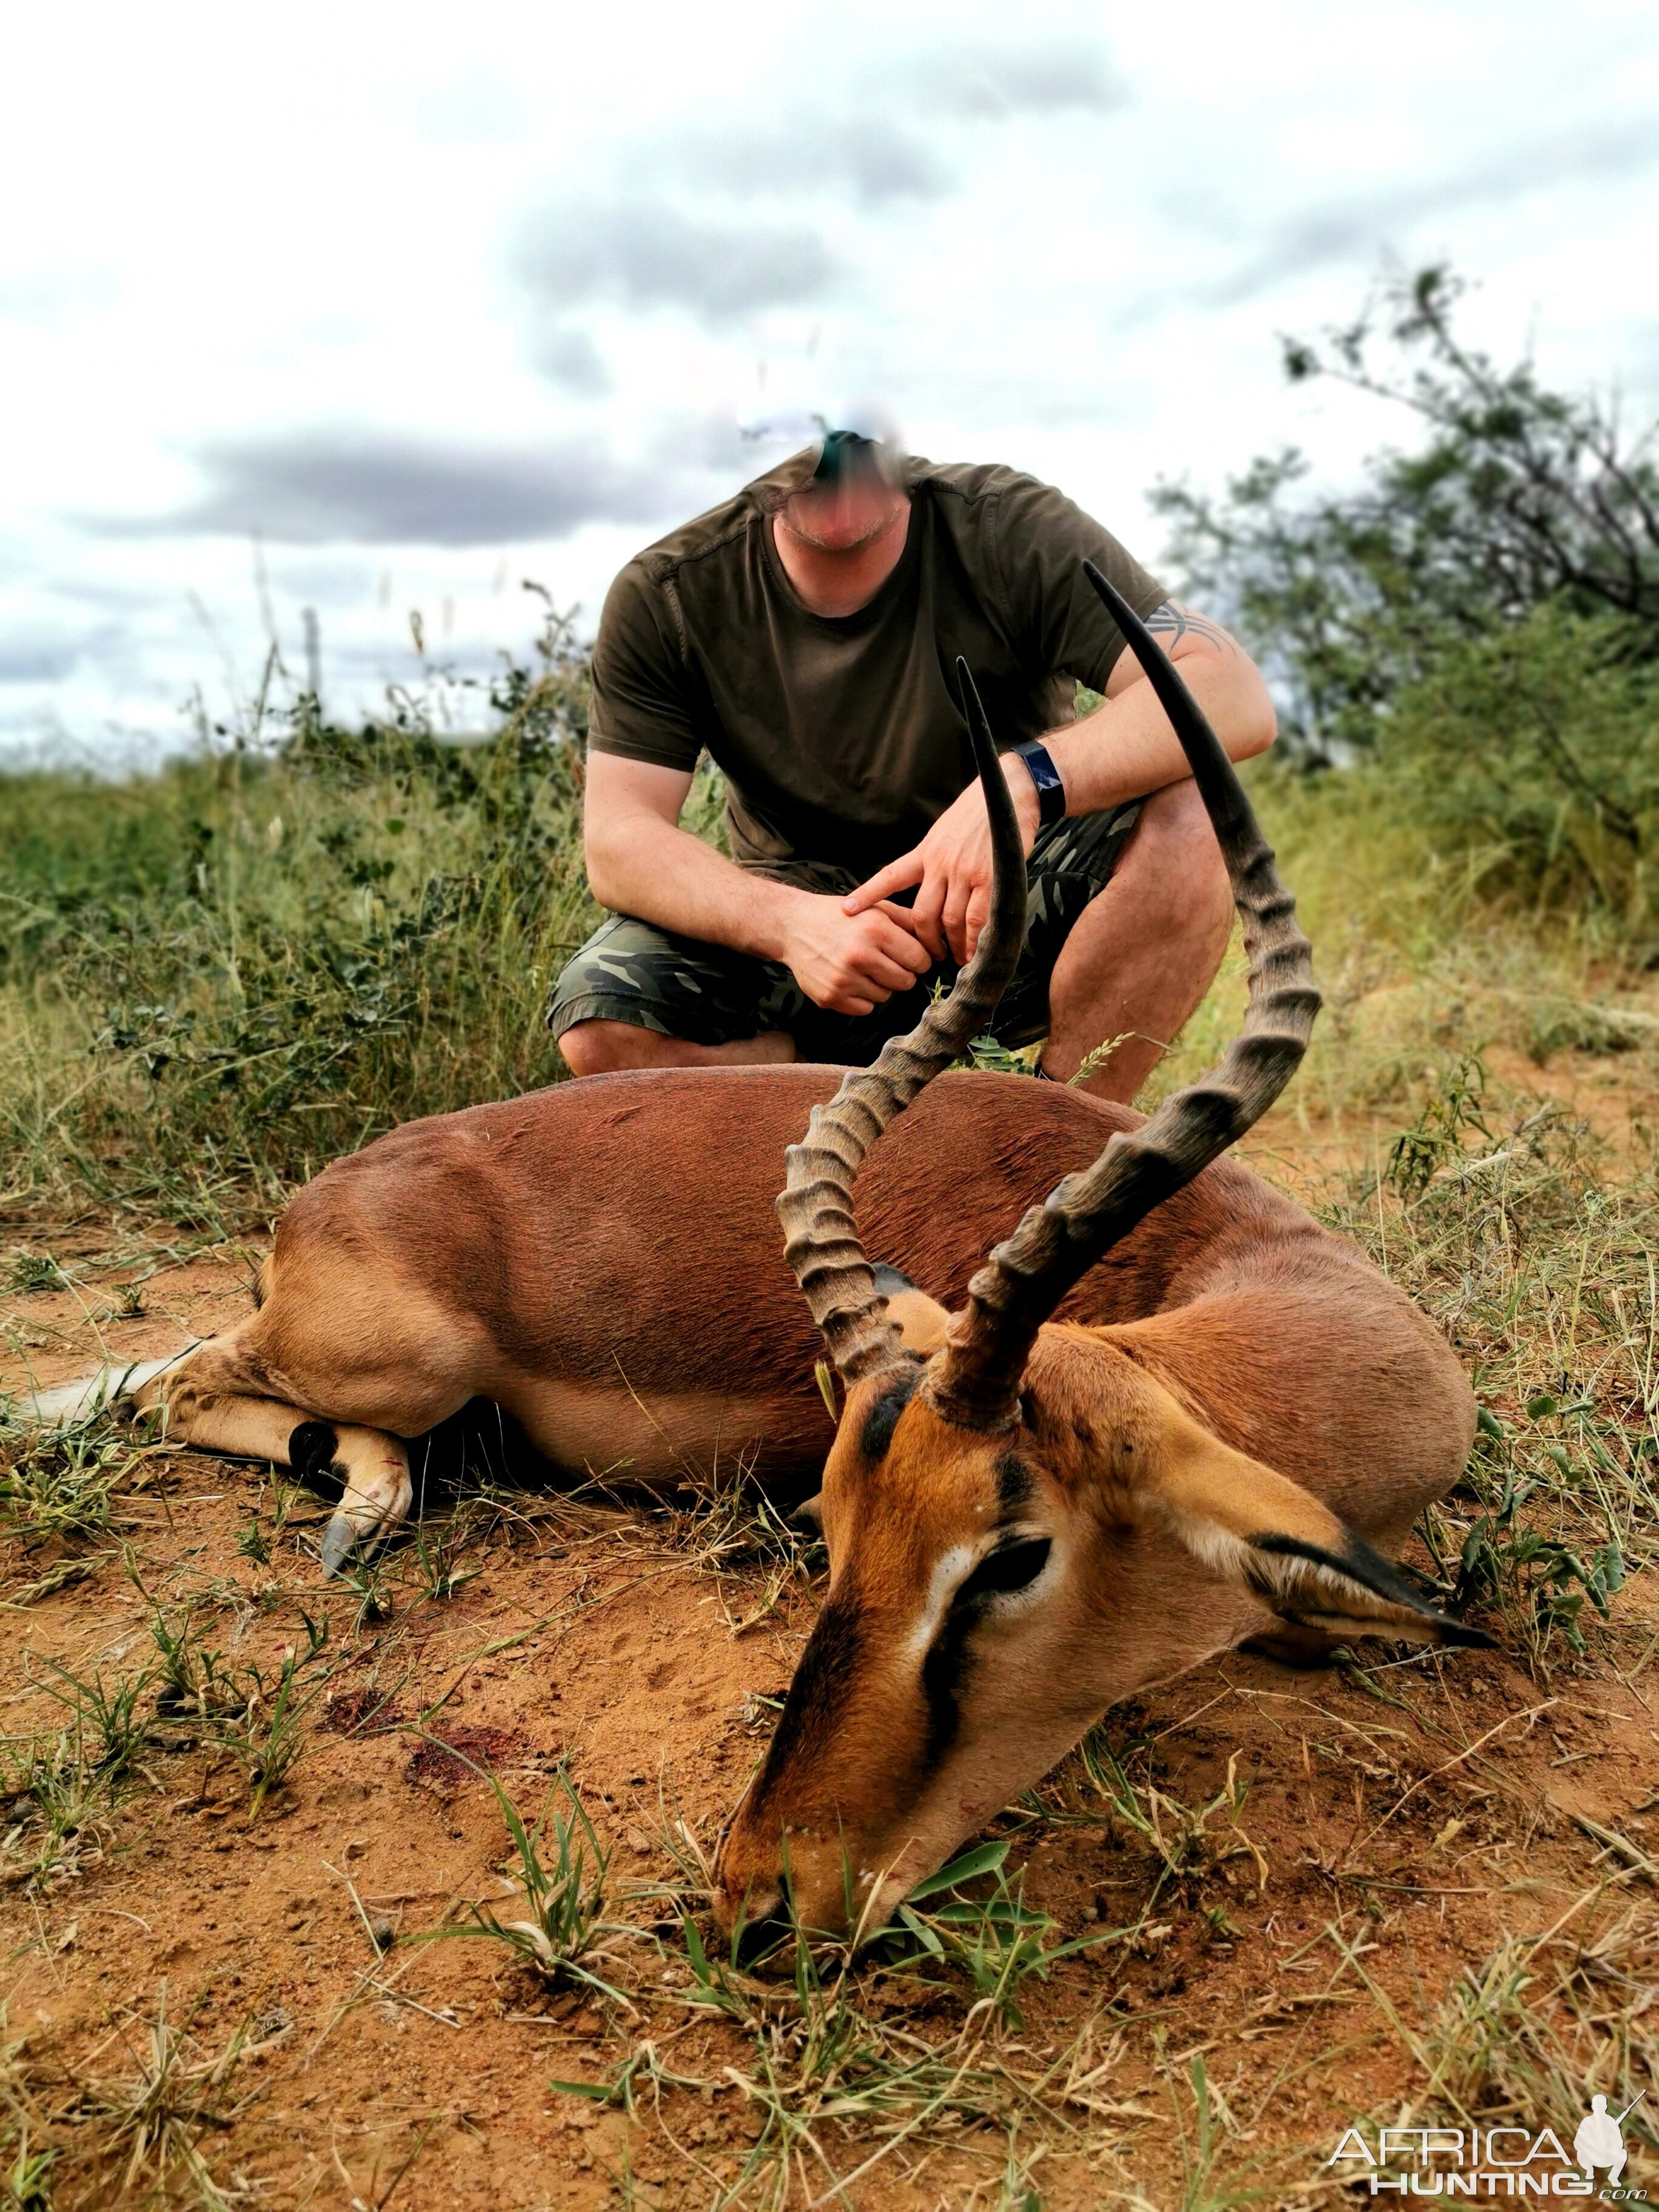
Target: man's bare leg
596, 1048
1141, 956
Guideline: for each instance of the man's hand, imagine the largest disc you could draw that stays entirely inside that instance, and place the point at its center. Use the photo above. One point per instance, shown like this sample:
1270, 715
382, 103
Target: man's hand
850, 964
952, 864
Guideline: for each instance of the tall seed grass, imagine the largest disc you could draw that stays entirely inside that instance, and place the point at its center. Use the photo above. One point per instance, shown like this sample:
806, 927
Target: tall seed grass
1424, 955
214, 980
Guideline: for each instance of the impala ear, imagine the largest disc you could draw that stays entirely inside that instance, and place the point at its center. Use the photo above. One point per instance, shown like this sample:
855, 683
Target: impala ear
1252, 1526
920, 1320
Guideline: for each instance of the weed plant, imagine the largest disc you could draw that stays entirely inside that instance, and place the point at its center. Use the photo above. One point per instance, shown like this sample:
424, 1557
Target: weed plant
559, 1932
1504, 1224
730, 1530
247, 1716
127, 2138
1542, 2023
823, 2060
145, 2128
213, 981
57, 1485
1112, 1784
994, 1942
59, 1802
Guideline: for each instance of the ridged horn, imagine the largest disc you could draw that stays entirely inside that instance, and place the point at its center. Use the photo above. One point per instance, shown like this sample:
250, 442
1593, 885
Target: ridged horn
975, 1379
821, 1240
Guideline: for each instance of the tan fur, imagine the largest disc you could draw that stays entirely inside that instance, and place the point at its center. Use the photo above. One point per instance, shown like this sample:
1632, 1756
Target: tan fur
614, 1239
1148, 1514
603, 1260
920, 1320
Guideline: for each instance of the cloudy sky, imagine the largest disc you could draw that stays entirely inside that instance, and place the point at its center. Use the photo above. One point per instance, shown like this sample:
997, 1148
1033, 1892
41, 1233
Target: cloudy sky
371, 310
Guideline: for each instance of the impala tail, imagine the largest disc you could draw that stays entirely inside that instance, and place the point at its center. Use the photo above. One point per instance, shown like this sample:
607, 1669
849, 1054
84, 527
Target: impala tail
106, 1389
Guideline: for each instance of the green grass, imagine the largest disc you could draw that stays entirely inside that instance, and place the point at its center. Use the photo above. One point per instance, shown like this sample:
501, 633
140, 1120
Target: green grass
1509, 1224
213, 981
216, 979
556, 1926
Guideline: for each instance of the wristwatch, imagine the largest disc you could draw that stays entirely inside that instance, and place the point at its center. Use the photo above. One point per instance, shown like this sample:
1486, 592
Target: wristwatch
1051, 791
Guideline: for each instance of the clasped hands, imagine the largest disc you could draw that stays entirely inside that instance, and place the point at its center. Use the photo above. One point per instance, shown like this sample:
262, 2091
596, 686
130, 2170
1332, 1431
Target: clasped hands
850, 955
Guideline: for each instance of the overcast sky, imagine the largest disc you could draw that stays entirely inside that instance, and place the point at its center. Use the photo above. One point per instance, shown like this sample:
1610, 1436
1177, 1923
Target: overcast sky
372, 309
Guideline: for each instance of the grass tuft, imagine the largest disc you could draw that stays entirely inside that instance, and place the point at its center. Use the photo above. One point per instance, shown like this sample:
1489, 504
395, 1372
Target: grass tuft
558, 1928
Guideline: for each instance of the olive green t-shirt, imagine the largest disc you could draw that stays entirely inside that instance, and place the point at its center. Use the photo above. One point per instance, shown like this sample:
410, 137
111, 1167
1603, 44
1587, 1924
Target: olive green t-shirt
843, 738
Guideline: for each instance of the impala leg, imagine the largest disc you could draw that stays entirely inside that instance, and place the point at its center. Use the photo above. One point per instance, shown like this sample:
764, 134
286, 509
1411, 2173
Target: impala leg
370, 1465
373, 1469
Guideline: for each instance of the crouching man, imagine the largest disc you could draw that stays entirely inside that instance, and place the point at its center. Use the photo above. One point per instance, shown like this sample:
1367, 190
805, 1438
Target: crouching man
806, 634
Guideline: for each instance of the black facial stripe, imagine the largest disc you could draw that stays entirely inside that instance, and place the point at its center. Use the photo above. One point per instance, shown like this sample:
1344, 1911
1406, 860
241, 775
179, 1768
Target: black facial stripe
889, 1281
882, 1418
1014, 1486
816, 1696
943, 1672
949, 1659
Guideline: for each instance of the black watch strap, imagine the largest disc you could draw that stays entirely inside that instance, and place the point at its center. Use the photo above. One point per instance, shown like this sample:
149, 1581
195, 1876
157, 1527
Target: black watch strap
1050, 790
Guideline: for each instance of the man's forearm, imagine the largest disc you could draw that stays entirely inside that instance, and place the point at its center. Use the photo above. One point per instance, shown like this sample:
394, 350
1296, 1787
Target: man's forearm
1126, 749
644, 866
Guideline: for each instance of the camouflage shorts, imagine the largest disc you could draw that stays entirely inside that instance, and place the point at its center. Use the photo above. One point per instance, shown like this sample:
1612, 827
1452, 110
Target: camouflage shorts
631, 971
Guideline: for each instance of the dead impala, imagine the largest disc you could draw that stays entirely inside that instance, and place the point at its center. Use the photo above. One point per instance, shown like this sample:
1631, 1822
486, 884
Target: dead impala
1131, 1439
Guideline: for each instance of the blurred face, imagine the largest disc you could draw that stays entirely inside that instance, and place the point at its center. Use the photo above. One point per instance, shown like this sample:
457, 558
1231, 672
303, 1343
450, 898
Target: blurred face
846, 516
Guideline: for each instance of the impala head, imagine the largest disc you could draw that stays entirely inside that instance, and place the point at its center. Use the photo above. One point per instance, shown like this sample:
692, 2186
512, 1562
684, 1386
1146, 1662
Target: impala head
1022, 1525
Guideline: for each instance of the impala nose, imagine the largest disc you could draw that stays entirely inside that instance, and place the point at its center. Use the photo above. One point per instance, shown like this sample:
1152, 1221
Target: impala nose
758, 1938
752, 1914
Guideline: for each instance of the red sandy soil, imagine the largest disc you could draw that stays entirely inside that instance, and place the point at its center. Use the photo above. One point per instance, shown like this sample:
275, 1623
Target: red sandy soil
1408, 1817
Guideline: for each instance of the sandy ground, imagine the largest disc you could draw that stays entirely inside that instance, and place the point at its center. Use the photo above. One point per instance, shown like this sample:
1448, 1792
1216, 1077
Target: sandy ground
1402, 1820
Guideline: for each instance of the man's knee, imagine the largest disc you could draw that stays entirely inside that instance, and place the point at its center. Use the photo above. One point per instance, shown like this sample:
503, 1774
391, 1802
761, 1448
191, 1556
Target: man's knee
598, 1048
1174, 854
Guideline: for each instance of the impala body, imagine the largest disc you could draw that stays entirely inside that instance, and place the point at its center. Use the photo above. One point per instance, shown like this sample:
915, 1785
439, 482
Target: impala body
1168, 1413
610, 1272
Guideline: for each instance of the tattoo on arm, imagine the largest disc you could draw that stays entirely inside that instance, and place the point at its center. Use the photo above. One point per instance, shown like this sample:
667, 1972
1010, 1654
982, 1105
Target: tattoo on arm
1172, 621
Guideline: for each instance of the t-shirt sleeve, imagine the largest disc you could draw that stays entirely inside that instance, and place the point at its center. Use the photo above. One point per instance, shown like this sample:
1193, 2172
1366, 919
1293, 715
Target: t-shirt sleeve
1041, 540
642, 706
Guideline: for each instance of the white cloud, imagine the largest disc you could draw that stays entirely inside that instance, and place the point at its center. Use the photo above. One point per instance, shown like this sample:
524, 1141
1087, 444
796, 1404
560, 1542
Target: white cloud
486, 294
314, 487
643, 254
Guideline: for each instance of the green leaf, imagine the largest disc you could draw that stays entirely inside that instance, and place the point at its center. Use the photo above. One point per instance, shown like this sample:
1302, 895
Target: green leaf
1540, 1407
987, 1859
694, 1951
923, 1934
1488, 1423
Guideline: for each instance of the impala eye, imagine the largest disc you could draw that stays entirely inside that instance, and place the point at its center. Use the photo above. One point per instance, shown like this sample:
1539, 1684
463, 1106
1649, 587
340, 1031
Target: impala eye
1013, 1568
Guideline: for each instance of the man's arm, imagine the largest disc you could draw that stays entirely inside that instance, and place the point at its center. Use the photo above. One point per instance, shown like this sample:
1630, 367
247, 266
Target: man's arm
1124, 749
640, 861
